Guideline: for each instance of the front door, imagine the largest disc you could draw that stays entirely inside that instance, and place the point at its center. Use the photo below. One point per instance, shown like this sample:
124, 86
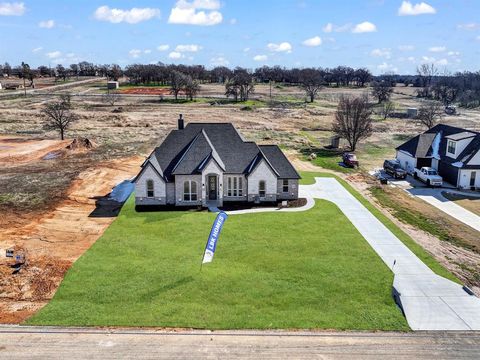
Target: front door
212, 187
473, 177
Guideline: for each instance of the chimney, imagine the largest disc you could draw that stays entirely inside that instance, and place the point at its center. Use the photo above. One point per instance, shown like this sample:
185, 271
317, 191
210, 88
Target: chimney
180, 122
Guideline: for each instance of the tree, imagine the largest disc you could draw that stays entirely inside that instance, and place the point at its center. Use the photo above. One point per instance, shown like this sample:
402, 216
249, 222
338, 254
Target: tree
387, 109
61, 72
362, 76
353, 119
191, 88
58, 115
114, 72
429, 113
26, 73
426, 73
240, 85
312, 81
111, 97
382, 90
177, 83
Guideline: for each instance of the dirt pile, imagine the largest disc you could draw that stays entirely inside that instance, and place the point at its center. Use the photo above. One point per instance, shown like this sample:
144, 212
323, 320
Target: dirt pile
81, 143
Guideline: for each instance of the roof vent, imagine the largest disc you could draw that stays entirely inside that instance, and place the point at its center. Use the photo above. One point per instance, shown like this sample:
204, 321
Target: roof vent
180, 122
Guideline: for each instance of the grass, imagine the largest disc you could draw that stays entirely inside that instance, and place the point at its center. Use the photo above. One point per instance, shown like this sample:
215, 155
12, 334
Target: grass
271, 270
327, 159
422, 254
429, 224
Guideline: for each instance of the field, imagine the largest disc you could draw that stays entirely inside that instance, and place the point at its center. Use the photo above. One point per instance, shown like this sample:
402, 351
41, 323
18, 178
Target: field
306, 273
45, 201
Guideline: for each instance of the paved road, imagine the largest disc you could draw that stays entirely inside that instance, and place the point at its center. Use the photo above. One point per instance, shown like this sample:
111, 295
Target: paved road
434, 197
429, 301
60, 343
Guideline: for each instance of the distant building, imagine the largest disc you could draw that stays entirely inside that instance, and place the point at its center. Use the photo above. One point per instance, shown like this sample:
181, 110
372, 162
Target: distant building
210, 164
112, 85
453, 152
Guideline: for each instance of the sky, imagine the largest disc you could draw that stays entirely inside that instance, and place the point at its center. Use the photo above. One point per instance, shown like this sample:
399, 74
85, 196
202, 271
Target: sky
381, 35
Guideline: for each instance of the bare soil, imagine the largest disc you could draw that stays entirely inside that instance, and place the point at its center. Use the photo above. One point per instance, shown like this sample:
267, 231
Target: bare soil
468, 202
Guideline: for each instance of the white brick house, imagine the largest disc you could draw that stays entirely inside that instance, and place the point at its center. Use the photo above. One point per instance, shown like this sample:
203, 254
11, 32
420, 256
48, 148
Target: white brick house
209, 164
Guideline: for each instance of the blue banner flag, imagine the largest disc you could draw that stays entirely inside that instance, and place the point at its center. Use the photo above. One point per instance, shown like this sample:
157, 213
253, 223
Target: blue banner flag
213, 237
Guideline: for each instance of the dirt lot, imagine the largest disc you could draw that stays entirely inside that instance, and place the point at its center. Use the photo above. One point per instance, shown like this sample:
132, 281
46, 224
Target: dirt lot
48, 192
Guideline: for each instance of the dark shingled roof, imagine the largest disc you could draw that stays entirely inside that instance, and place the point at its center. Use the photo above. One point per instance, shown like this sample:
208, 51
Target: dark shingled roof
184, 151
279, 161
417, 145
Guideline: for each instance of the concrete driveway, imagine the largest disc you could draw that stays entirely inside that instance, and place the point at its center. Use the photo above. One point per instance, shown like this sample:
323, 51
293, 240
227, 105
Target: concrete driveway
434, 197
429, 301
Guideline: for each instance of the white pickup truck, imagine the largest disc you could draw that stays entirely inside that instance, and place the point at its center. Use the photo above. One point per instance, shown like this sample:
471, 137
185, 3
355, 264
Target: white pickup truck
429, 176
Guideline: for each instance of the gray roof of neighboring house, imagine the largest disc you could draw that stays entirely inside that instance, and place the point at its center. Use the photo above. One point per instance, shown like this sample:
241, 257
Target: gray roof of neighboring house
185, 151
421, 145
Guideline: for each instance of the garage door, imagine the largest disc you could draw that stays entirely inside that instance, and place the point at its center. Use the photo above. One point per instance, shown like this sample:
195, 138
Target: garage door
424, 162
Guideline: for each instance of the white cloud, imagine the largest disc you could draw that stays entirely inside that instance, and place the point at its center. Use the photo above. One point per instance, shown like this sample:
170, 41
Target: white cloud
247, 49
132, 16
135, 53
47, 24
147, 51
364, 27
163, 47
282, 47
478, 38
469, 26
233, 21
175, 55
453, 53
409, 9
406, 48
428, 59
384, 67
437, 49
188, 48
385, 53
314, 41
329, 28
442, 62
12, 9
260, 57
37, 49
219, 61
54, 54
186, 12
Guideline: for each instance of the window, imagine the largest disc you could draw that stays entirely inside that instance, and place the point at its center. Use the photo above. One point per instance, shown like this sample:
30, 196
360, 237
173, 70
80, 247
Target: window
285, 186
150, 189
234, 186
451, 147
261, 188
190, 191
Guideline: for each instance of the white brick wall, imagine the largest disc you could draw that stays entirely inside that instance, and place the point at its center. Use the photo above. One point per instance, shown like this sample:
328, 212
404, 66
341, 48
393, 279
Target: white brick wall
179, 180
159, 188
262, 172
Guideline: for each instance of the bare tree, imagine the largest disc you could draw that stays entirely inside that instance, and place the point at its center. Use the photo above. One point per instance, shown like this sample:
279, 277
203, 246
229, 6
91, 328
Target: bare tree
387, 109
426, 73
111, 98
58, 115
177, 83
382, 90
312, 81
429, 113
353, 119
191, 88
240, 85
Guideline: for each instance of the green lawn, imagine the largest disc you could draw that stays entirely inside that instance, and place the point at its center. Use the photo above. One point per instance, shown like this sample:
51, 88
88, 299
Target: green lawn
272, 270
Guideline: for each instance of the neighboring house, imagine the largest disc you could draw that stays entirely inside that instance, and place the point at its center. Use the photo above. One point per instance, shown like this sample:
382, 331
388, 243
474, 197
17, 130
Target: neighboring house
209, 164
453, 152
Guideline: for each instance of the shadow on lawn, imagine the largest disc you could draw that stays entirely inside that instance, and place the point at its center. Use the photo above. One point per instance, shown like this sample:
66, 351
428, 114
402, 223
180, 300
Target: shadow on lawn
153, 293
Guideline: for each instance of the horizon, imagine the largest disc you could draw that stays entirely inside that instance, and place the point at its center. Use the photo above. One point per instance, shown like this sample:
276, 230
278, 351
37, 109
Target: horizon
226, 33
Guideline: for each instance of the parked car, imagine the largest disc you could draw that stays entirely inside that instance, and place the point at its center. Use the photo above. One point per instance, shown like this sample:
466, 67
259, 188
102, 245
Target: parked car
393, 168
450, 110
429, 176
350, 160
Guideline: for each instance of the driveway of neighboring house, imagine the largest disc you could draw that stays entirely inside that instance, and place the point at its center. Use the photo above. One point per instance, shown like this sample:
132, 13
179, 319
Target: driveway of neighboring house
434, 197
429, 301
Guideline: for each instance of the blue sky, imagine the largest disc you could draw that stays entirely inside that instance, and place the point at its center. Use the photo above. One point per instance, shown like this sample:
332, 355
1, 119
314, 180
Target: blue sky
382, 35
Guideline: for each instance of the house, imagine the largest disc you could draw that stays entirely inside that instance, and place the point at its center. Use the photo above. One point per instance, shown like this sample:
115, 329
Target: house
210, 164
453, 152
